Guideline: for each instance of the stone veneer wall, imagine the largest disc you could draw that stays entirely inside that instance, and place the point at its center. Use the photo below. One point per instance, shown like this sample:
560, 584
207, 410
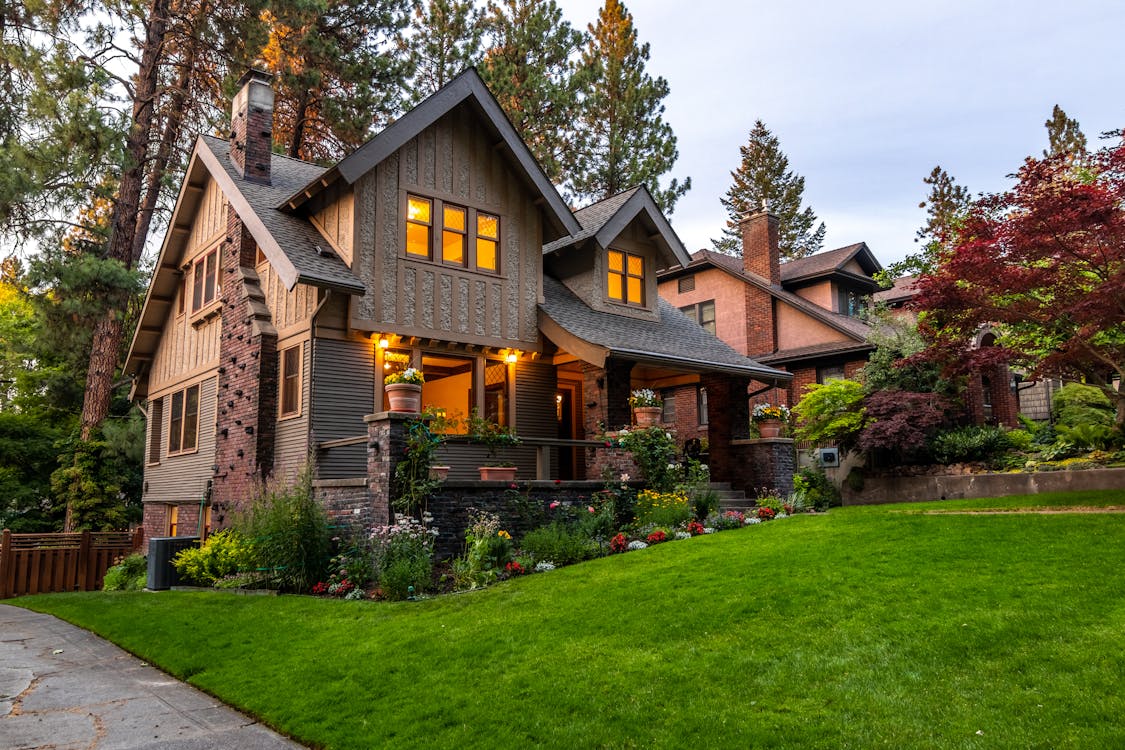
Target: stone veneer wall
766, 463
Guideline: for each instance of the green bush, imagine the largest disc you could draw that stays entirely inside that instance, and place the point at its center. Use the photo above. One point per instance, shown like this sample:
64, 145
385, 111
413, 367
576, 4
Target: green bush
1077, 404
1019, 440
1088, 437
558, 543
654, 451
664, 509
971, 443
812, 489
131, 574
223, 554
288, 530
403, 555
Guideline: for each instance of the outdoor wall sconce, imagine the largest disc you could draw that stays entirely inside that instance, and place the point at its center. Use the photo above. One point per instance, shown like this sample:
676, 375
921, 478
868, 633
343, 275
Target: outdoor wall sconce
384, 342
511, 358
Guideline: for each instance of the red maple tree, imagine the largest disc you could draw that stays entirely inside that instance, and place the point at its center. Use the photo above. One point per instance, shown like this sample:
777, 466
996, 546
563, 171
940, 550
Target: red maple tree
1044, 265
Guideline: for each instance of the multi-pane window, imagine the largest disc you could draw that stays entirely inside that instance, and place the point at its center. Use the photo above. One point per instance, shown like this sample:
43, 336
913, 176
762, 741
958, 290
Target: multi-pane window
183, 432
702, 313
625, 279
155, 425
824, 374
419, 221
668, 406
852, 303
205, 281
291, 381
469, 238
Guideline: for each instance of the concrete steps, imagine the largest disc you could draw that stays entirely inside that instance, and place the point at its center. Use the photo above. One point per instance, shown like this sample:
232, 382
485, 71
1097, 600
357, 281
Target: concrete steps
730, 499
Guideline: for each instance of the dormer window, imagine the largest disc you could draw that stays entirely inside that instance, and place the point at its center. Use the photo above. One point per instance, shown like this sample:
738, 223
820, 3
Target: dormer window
469, 238
852, 303
625, 278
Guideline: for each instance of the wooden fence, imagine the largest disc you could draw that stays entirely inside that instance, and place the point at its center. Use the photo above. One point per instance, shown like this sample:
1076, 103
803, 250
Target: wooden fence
46, 563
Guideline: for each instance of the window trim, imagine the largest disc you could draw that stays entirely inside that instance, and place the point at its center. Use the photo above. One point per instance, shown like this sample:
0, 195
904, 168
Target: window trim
695, 312
283, 378
625, 275
181, 418
172, 519
200, 302
471, 236
668, 405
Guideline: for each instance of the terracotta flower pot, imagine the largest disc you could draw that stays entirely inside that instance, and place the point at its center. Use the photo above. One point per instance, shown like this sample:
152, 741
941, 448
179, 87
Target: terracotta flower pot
769, 428
646, 416
497, 473
439, 473
405, 397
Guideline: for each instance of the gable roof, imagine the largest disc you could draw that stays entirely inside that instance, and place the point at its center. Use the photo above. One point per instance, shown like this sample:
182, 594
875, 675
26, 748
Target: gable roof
673, 341
466, 88
831, 262
901, 292
605, 220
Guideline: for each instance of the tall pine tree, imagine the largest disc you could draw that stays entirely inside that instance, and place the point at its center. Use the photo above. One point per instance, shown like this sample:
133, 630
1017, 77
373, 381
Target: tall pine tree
764, 177
624, 138
443, 38
1063, 135
946, 206
530, 66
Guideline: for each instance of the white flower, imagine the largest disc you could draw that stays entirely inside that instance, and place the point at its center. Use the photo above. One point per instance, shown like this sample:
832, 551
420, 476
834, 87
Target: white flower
683, 535
752, 520
543, 566
624, 477
708, 530
637, 544
782, 514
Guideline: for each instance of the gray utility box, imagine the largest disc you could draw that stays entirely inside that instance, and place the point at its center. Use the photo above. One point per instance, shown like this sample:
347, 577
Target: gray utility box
161, 575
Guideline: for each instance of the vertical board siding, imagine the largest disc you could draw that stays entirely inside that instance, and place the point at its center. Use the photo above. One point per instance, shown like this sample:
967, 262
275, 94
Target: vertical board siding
291, 439
536, 386
333, 216
183, 478
452, 160
342, 396
287, 307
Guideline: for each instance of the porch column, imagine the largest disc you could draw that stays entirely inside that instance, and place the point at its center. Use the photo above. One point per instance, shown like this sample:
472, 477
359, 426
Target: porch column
728, 417
386, 445
605, 391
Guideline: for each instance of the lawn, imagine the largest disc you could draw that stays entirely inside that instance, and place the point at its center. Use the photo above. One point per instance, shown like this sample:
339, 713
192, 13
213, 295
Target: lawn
864, 627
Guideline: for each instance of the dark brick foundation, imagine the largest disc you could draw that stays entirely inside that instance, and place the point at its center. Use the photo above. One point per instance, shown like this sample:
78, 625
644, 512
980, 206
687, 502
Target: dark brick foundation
766, 463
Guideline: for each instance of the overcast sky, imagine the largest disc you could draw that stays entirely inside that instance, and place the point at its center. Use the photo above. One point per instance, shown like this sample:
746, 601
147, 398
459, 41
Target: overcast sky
867, 97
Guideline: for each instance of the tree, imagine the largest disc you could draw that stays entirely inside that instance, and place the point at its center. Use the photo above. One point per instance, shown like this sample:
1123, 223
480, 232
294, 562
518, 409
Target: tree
1063, 135
945, 207
336, 79
529, 65
624, 137
443, 38
763, 177
1044, 263
831, 412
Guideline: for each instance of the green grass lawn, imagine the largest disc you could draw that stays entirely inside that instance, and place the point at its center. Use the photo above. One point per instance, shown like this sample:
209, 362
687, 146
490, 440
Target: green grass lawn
865, 627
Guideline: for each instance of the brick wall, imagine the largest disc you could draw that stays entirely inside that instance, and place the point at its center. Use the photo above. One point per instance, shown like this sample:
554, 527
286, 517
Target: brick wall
760, 252
768, 463
252, 127
347, 503
606, 392
686, 424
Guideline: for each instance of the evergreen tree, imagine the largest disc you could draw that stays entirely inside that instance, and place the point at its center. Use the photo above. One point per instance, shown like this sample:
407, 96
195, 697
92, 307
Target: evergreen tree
763, 178
530, 66
625, 139
1063, 134
945, 207
337, 81
443, 38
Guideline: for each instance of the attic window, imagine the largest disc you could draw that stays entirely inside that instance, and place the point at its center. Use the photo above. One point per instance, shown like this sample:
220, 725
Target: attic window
205, 281
625, 278
685, 284
469, 238
419, 221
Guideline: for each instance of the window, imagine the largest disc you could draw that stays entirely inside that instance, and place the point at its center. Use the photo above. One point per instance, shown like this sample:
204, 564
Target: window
685, 284
155, 425
625, 281
703, 314
183, 430
496, 392
668, 406
701, 405
205, 281
852, 303
291, 381
173, 516
824, 374
469, 238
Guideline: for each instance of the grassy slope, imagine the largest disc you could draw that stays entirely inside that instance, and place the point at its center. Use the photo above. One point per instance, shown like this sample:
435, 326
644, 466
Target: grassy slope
866, 627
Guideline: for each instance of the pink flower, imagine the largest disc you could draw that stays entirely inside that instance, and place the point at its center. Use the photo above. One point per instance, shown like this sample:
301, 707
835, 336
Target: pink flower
591, 508
513, 486
554, 504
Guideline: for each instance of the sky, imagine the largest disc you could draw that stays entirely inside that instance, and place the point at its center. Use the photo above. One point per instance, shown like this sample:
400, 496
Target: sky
866, 97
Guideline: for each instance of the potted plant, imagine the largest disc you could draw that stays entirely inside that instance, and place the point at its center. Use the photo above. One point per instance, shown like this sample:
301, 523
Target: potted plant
493, 436
404, 390
769, 418
647, 406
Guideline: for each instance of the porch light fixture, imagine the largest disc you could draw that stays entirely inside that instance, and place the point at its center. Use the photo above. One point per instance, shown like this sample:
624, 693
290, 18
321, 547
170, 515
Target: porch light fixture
384, 342
511, 358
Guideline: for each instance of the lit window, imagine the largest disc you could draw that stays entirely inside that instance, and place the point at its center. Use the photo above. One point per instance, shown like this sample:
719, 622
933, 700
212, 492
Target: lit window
625, 280
173, 520
183, 431
418, 223
205, 281
453, 235
488, 240
291, 381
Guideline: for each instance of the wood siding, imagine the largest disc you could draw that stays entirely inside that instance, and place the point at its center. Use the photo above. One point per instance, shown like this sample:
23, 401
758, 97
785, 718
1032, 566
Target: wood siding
536, 387
291, 440
287, 307
334, 215
454, 161
342, 395
183, 478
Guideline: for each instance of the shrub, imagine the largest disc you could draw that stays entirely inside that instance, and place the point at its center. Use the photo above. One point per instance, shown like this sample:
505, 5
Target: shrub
812, 489
654, 451
288, 531
667, 509
1088, 437
1077, 404
488, 549
769, 499
223, 554
971, 443
1019, 440
831, 413
899, 422
403, 556
129, 574
558, 543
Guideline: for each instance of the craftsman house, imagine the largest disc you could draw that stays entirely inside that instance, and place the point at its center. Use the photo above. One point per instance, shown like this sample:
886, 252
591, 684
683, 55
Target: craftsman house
286, 291
801, 316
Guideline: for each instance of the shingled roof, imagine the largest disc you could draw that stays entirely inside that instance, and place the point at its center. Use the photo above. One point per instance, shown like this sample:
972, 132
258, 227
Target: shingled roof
830, 262
673, 341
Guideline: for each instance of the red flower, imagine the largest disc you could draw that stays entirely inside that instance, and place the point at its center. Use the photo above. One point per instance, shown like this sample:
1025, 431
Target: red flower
619, 543
766, 514
514, 568
657, 537
695, 528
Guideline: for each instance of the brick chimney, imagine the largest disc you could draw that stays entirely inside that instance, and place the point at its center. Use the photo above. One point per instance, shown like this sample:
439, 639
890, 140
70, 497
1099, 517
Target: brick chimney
251, 129
760, 254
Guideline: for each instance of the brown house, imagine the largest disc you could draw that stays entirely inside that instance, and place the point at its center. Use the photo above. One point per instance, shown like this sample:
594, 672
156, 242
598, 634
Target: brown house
286, 291
799, 316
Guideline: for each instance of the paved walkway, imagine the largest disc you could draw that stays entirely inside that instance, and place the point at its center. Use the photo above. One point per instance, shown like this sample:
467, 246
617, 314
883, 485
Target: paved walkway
64, 688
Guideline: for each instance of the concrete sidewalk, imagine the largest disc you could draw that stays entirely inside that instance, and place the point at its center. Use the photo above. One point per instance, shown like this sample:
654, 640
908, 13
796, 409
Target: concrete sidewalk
63, 687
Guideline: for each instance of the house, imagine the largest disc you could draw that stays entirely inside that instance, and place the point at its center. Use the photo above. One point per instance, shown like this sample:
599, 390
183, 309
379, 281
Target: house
285, 292
801, 316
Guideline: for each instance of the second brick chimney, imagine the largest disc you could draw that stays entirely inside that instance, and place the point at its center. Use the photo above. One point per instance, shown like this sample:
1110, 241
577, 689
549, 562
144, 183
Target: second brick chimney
251, 128
760, 253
